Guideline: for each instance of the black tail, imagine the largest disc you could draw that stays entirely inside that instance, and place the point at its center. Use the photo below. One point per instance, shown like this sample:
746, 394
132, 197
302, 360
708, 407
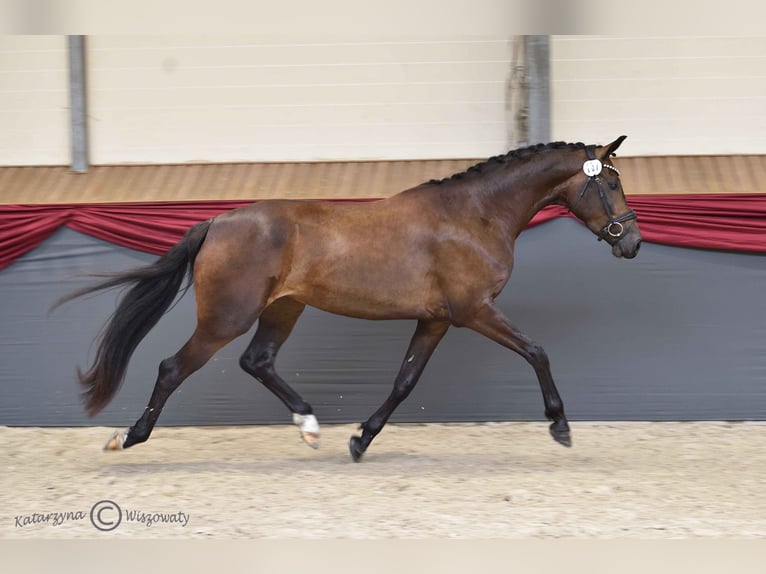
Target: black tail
154, 289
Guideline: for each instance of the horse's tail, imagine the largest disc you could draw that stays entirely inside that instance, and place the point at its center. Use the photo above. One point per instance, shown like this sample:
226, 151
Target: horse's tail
154, 287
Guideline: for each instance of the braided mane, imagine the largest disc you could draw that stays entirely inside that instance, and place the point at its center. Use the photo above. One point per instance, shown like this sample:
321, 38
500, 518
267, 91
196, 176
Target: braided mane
509, 157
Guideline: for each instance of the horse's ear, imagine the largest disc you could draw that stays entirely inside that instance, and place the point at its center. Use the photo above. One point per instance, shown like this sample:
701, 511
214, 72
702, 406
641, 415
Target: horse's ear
612, 147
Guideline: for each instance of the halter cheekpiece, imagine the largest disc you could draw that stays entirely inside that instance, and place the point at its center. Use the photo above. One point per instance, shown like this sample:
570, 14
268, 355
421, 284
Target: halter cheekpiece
593, 168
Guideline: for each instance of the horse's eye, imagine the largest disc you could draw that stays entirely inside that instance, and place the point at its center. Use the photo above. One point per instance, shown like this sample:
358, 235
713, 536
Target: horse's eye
613, 185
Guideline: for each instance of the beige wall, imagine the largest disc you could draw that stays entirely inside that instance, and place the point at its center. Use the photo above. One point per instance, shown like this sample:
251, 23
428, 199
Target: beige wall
34, 104
179, 99
670, 95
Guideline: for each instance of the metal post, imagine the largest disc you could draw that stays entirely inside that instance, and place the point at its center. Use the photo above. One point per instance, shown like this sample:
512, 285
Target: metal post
537, 52
516, 101
78, 104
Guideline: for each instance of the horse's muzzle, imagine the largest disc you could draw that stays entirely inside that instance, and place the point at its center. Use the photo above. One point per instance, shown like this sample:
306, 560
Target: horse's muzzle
628, 245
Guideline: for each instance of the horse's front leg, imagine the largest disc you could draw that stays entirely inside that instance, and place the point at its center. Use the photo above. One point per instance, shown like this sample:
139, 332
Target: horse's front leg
490, 322
424, 341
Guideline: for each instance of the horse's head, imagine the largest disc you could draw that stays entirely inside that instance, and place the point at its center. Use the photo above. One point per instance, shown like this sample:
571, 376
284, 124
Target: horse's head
595, 195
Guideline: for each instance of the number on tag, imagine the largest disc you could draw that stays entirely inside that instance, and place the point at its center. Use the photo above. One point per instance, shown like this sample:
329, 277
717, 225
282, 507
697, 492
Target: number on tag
592, 167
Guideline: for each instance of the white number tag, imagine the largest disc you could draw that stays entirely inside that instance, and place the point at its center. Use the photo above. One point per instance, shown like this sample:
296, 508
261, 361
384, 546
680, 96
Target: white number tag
592, 167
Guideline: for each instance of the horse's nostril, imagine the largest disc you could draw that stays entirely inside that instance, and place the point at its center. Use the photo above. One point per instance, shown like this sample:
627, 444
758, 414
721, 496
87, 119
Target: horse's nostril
634, 252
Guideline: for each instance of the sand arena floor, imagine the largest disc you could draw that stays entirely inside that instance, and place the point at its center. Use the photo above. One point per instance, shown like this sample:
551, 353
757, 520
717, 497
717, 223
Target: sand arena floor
504, 480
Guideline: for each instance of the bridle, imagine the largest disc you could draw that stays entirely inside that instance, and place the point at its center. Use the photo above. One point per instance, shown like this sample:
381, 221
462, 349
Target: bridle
592, 168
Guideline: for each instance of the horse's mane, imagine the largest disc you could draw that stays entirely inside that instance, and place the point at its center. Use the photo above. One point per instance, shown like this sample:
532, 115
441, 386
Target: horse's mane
508, 157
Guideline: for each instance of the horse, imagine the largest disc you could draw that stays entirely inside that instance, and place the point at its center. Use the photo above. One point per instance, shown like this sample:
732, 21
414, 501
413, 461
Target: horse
439, 254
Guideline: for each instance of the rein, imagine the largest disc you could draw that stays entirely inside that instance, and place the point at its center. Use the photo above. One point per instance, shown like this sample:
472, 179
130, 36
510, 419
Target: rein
592, 169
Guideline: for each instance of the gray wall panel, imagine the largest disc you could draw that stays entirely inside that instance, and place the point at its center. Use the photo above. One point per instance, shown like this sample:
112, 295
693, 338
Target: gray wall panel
674, 334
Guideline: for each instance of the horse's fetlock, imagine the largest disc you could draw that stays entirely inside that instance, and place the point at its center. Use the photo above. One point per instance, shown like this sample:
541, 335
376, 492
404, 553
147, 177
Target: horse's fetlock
554, 410
135, 436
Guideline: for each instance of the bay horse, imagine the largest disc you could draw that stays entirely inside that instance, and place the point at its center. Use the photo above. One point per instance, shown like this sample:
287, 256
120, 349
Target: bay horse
438, 253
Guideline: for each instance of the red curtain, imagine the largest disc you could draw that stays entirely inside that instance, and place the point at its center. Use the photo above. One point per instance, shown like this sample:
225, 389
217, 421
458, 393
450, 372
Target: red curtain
732, 222
727, 222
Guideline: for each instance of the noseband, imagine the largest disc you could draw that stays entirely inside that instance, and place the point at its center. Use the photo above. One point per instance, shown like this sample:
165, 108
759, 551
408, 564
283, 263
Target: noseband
592, 169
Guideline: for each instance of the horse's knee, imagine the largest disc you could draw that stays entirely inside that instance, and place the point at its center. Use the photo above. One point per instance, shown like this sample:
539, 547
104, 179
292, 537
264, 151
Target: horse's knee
537, 356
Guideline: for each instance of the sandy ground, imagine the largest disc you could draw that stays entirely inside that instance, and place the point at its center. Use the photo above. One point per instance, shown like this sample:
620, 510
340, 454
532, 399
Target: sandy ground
507, 480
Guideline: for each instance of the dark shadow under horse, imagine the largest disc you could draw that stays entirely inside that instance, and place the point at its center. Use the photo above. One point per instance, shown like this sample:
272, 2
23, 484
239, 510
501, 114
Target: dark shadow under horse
439, 253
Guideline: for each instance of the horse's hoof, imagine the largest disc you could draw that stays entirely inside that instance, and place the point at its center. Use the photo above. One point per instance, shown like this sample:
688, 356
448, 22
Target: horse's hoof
309, 429
116, 441
561, 435
311, 439
355, 448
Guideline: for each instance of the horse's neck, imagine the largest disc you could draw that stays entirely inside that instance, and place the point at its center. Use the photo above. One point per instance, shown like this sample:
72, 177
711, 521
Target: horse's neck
517, 197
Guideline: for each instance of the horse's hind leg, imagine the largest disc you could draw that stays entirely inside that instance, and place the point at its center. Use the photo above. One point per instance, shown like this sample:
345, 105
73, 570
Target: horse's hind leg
274, 326
424, 341
172, 372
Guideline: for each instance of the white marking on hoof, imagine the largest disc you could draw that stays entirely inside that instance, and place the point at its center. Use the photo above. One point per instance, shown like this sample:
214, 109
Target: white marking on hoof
116, 441
309, 429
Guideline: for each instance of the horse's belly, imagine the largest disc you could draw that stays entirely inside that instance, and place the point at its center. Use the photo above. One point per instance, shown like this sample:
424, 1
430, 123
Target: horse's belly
372, 296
